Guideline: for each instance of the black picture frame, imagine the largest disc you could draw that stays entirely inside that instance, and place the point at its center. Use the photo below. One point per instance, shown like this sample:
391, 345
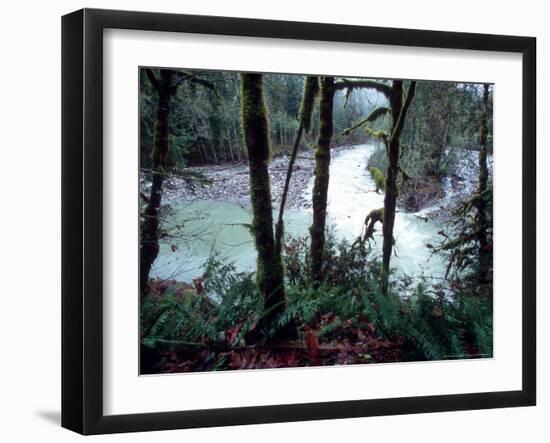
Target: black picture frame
82, 218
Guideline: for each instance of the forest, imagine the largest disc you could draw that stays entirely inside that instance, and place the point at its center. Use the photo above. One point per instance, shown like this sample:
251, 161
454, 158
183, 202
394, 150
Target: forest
297, 220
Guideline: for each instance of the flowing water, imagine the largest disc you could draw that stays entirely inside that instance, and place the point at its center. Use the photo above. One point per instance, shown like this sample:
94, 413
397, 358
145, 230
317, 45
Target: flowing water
213, 226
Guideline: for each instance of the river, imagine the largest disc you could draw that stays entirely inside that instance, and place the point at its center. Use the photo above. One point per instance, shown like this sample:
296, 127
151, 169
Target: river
213, 226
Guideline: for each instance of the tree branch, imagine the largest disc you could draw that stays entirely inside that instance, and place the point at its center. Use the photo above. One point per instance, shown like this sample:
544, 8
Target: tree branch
401, 119
376, 113
367, 84
348, 131
191, 78
380, 135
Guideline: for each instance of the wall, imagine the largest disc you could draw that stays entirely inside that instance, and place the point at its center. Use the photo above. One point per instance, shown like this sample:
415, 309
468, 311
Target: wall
30, 223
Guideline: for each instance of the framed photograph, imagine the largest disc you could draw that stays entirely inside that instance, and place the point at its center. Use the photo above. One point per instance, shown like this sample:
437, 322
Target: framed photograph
269, 221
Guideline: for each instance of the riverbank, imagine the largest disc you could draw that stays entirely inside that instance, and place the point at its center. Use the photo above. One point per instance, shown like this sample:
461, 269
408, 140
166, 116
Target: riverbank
439, 197
229, 182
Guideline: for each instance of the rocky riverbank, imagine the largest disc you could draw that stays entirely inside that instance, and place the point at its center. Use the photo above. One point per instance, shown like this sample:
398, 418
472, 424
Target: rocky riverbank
229, 182
441, 197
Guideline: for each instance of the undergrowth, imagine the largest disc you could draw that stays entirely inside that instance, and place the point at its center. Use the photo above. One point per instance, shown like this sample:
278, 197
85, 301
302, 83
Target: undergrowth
345, 320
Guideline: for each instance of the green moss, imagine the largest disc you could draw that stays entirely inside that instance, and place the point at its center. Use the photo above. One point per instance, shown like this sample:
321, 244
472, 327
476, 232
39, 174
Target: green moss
377, 113
270, 273
380, 135
398, 110
482, 216
320, 185
378, 178
253, 110
311, 90
374, 216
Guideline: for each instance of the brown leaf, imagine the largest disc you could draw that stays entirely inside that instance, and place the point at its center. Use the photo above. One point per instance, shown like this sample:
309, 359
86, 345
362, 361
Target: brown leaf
312, 344
235, 360
232, 334
437, 312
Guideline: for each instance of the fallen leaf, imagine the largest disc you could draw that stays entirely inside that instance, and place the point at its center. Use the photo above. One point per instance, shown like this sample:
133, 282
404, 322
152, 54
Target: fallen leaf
312, 343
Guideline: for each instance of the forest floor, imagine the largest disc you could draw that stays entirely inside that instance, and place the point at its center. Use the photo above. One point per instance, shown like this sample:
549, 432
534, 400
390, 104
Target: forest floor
183, 330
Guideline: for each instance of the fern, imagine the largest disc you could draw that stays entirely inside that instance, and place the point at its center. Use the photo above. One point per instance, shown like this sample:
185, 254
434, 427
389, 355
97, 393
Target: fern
426, 345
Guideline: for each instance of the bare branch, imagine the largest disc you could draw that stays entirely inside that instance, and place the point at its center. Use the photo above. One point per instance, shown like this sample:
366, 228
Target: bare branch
191, 78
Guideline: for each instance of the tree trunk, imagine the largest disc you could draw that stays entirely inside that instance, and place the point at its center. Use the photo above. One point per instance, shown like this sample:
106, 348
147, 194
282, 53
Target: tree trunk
311, 89
149, 241
269, 273
211, 140
279, 227
482, 219
236, 139
229, 144
320, 186
390, 199
398, 114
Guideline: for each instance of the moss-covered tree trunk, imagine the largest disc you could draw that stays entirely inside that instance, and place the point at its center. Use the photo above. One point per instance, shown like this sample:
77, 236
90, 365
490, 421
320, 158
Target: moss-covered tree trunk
482, 216
269, 274
149, 232
320, 186
390, 198
398, 111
